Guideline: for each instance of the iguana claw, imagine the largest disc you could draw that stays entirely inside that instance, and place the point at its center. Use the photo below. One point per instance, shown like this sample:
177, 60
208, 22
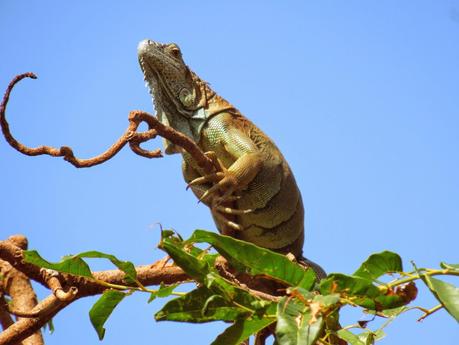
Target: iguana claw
226, 184
215, 177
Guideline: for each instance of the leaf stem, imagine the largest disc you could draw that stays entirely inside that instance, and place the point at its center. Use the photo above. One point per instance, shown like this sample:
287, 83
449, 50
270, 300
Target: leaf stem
421, 271
430, 311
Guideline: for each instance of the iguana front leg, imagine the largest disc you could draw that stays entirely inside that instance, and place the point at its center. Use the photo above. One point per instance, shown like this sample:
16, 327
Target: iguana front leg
219, 190
240, 161
228, 181
226, 224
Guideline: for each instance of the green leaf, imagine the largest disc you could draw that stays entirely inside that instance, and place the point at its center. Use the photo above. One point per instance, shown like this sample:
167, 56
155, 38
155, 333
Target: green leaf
71, 264
102, 309
298, 291
379, 264
327, 300
163, 291
350, 337
364, 338
295, 323
50, 326
369, 337
361, 291
256, 260
197, 269
242, 330
168, 233
236, 295
449, 266
394, 312
75, 265
446, 293
126, 266
200, 305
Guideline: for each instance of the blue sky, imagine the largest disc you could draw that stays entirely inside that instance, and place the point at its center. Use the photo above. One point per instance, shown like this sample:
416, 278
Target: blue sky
360, 96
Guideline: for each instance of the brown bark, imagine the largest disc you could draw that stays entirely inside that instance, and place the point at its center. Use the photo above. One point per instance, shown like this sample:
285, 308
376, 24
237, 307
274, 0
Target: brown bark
130, 136
18, 286
65, 289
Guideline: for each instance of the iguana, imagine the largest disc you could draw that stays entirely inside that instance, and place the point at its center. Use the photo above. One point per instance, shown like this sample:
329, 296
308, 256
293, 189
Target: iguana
254, 196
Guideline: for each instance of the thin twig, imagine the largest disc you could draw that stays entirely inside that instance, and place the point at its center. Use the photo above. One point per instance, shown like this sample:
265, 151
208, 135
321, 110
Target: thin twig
430, 311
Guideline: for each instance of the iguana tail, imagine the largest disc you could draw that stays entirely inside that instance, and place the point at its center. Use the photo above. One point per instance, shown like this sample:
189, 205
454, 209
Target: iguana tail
318, 270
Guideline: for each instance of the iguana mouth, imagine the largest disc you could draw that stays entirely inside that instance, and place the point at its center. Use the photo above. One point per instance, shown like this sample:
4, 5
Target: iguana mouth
148, 81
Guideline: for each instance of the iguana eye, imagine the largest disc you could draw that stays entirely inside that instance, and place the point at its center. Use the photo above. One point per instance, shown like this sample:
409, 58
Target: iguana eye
175, 51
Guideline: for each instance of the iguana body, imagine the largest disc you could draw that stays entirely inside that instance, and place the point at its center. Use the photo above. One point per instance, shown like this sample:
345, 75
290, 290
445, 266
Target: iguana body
255, 197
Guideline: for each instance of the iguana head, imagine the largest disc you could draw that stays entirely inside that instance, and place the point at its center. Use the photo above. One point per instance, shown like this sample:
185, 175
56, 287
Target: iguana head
169, 78
178, 93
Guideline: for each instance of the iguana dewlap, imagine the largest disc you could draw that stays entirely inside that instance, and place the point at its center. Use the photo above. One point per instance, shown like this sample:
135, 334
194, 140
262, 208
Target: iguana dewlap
255, 197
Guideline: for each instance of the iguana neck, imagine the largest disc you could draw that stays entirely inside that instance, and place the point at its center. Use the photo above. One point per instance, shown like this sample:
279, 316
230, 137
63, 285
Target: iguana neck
211, 104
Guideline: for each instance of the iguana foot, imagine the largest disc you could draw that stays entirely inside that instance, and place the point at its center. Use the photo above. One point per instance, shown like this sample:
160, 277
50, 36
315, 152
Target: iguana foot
226, 185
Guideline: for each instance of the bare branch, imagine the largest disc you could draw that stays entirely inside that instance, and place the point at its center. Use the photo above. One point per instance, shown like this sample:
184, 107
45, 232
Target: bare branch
152, 274
13, 255
5, 317
176, 138
17, 285
130, 136
25, 327
66, 289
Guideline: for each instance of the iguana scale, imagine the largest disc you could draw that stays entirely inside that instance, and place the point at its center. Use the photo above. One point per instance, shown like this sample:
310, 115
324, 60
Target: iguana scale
255, 196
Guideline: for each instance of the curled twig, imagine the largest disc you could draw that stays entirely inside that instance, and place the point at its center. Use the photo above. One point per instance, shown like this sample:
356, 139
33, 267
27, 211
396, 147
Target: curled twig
130, 136
173, 136
52, 280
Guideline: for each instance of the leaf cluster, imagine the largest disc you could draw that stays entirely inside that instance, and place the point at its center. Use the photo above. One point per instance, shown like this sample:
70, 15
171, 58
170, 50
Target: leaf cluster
300, 310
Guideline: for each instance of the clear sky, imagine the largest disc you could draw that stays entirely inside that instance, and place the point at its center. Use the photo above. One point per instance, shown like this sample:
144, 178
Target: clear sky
361, 97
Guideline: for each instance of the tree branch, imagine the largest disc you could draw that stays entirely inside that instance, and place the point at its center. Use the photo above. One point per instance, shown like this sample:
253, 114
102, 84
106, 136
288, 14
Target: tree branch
65, 289
5, 317
152, 274
17, 285
25, 327
130, 136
